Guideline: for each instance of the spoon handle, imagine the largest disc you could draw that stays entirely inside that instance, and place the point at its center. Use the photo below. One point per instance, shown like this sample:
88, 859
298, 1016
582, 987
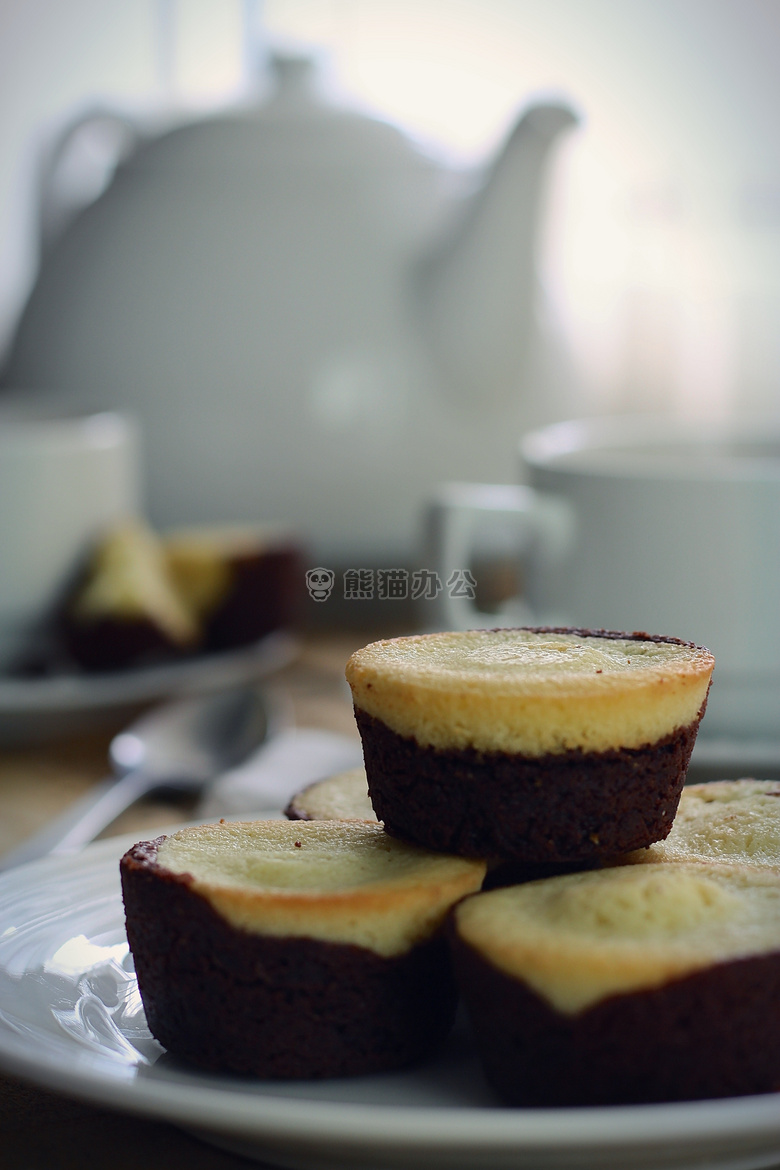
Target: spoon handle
83, 820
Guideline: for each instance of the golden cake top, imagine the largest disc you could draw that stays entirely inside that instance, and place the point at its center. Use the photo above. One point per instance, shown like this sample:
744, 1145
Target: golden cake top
583, 937
734, 821
335, 881
532, 691
343, 797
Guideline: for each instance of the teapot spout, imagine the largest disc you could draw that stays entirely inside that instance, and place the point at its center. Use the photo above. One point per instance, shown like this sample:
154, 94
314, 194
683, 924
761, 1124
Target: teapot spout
478, 289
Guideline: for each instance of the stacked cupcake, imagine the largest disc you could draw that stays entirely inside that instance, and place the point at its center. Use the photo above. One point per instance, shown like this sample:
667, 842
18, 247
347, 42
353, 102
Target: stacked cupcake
631, 984
294, 950
527, 745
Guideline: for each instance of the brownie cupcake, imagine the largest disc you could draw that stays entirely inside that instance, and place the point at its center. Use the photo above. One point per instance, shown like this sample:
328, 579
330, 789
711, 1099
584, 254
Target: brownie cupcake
733, 821
530, 745
142, 599
637, 984
293, 950
124, 609
343, 797
240, 582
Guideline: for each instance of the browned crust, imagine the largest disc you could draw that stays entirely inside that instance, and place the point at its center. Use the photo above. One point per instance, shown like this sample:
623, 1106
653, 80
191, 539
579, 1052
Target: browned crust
613, 635
714, 1033
287, 1008
569, 807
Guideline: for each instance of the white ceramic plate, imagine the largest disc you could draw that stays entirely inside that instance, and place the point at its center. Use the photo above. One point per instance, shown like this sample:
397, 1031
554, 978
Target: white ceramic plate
41, 708
71, 1019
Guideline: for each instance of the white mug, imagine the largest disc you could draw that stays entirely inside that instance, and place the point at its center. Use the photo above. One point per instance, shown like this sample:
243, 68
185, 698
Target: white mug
63, 479
636, 523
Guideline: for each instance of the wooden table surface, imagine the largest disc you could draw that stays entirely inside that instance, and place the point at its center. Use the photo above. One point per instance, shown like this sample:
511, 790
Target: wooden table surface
45, 1131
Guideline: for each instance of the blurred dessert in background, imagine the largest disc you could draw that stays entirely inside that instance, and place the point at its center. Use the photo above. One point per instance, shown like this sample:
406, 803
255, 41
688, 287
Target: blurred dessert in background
124, 608
141, 598
239, 582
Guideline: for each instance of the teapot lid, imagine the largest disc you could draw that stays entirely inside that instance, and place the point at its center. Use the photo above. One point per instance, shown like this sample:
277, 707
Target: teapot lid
295, 128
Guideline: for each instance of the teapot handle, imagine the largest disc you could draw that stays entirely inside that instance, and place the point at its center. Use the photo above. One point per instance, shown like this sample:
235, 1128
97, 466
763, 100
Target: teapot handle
543, 529
78, 165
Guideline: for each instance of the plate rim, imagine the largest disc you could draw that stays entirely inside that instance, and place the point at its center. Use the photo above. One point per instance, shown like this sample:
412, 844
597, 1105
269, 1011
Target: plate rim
62, 693
470, 1127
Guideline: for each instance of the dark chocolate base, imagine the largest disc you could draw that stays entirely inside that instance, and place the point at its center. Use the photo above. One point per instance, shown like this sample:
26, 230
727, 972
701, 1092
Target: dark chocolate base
715, 1033
265, 594
108, 644
230, 1001
577, 806
294, 811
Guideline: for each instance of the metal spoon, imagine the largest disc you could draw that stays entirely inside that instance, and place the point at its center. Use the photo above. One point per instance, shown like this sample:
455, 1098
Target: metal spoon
180, 746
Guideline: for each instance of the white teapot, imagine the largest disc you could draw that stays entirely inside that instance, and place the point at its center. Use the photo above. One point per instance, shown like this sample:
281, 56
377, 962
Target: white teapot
312, 321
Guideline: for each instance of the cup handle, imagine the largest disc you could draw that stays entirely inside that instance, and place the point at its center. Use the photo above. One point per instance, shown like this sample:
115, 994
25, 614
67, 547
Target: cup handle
543, 529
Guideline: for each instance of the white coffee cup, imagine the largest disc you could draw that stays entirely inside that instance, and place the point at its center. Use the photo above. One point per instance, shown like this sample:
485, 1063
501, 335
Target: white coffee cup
639, 523
63, 480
